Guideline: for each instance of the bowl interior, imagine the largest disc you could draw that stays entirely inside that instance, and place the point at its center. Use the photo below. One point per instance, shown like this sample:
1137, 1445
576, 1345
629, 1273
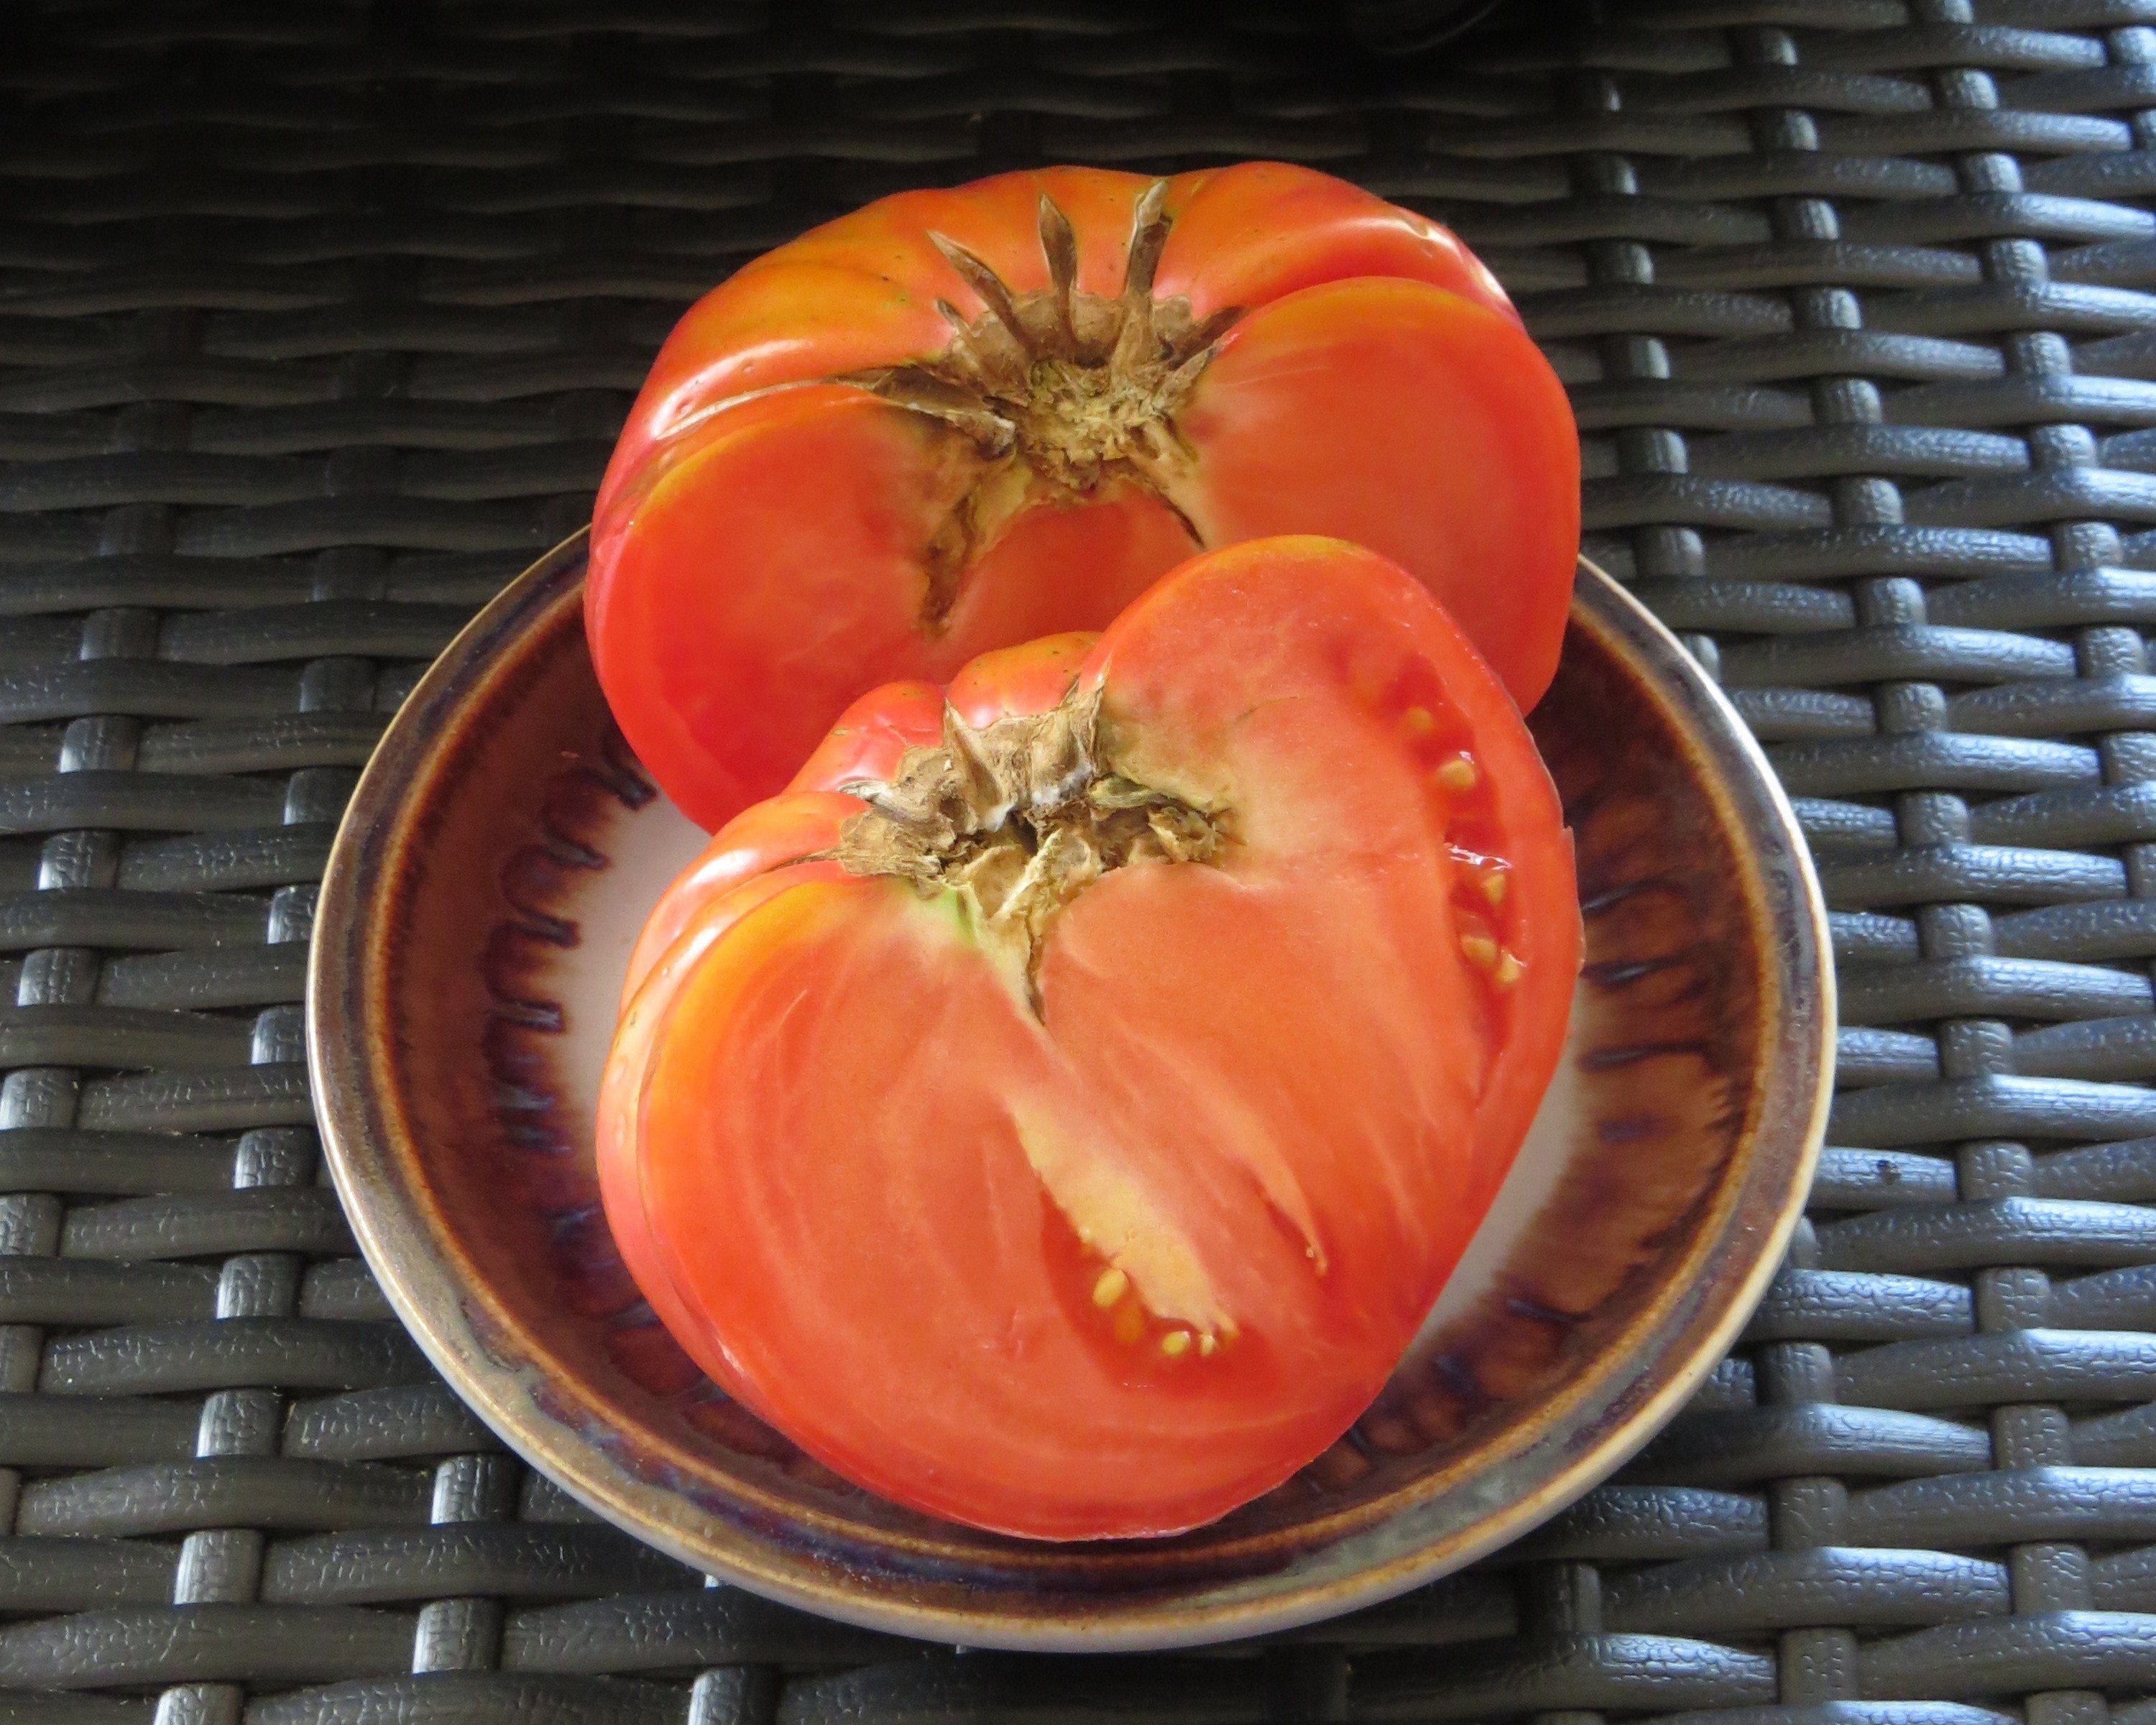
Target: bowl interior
496, 864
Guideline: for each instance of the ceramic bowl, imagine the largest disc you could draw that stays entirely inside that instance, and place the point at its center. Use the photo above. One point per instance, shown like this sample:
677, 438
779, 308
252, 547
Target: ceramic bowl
499, 856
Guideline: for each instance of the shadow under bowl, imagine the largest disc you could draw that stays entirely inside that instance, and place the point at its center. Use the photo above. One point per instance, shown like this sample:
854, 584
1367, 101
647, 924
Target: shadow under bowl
503, 848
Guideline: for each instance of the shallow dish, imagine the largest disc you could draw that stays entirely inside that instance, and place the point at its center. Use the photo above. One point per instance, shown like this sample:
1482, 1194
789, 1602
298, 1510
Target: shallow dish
497, 859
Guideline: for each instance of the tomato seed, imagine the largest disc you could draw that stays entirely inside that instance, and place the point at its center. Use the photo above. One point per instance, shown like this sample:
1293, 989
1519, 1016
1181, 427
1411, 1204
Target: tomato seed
1457, 774
1416, 721
1493, 887
1175, 1343
1112, 1287
1481, 950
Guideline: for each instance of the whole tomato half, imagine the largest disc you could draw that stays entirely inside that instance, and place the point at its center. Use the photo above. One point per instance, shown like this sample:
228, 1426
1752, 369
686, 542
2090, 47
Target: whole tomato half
956, 420
1058, 1110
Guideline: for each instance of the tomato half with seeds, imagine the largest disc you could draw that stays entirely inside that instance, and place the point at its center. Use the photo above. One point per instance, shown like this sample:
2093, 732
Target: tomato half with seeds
1058, 1110
956, 420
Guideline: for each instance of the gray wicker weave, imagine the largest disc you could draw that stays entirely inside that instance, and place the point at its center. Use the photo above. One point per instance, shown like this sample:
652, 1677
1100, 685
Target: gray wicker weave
316, 322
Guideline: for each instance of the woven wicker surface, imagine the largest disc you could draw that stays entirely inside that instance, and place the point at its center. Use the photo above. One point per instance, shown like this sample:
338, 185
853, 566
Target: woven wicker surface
316, 323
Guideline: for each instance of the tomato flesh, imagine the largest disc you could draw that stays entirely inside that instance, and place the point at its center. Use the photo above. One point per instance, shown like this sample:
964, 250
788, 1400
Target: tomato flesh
1102, 1220
1383, 357
913, 436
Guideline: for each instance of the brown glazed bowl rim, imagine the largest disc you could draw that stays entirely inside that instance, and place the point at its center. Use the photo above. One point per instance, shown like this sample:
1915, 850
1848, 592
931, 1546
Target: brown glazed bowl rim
429, 1280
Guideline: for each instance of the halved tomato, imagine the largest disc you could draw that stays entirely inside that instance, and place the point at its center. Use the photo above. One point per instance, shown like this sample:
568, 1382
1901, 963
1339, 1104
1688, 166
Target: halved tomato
956, 420
1059, 1109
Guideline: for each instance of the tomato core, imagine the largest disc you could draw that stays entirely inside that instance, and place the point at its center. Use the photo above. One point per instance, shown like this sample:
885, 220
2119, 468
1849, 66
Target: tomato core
1073, 384
1016, 820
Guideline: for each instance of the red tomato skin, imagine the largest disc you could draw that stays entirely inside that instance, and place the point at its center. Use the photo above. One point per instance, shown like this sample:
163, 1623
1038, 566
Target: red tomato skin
1015, 680
872, 736
647, 1008
1242, 235
840, 1158
771, 537
763, 837
1455, 405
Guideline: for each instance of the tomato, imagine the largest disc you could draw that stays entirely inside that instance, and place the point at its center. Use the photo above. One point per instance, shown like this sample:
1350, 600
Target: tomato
1058, 1110
955, 420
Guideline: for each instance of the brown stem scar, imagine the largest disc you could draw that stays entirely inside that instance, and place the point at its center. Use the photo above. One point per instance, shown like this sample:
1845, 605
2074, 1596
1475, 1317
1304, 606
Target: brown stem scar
1017, 819
1058, 245
1149, 229
1061, 388
985, 282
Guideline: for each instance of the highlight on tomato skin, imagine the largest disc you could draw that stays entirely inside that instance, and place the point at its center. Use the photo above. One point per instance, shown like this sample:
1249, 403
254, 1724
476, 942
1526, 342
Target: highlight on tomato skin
1063, 1122
958, 420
